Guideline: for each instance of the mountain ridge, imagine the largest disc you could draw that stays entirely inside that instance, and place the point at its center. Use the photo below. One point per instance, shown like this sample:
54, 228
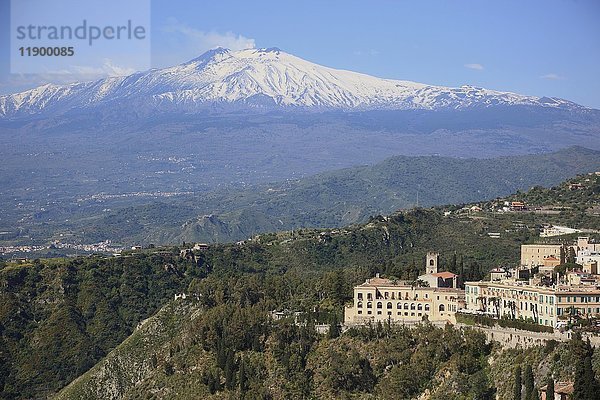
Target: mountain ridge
260, 79
333, 199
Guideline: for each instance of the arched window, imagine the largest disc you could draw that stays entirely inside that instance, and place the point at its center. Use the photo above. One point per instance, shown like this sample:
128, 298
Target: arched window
379, 305
406, 306
430, 262
419, 307
412, 306
359, 304
399, 306
389, 305
426, 307
442, 308
369, 305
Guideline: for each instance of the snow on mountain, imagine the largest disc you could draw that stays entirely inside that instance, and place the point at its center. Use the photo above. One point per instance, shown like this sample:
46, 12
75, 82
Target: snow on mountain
258, 78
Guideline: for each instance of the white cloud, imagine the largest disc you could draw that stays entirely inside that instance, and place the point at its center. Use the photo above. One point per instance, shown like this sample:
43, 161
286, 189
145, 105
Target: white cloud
108, 68
13, 83
477, 67
371, 52
552, 77
180, 43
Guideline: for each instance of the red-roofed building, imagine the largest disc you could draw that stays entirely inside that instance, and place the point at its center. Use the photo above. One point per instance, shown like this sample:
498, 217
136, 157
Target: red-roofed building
562, 391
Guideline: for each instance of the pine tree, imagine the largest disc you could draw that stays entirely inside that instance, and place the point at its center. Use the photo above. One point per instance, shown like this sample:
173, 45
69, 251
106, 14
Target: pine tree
517, 388
528, 382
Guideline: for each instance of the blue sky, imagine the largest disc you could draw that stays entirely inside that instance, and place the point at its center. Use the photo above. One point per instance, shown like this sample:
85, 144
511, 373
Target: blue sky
543, 48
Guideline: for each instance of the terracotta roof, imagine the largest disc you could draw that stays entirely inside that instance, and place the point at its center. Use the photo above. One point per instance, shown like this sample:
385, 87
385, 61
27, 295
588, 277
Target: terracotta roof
444, 275
377, 282
560, 388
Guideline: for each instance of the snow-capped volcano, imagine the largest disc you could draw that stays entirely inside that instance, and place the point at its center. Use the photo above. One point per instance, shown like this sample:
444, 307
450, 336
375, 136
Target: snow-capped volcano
262, 78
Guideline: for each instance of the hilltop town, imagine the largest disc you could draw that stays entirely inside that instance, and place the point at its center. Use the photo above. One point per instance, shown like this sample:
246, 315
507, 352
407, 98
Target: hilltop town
554, 285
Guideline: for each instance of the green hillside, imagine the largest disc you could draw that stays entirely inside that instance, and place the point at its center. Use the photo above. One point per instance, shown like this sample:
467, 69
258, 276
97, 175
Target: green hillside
60, 317
232, 350
338, 198
332, 199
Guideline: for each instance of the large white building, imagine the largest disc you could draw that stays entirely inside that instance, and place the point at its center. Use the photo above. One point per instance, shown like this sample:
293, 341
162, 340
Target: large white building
381, 299
578, 294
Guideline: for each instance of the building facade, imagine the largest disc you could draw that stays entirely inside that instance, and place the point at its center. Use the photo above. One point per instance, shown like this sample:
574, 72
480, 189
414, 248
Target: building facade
545, 305
533, 255
380, 299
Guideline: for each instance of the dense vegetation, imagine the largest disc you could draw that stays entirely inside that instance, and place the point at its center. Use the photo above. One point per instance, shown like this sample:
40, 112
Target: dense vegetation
226, 346
59, 317
483, 320
237, 352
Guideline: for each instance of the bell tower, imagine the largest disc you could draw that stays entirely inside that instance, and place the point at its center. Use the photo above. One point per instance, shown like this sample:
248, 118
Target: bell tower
431, 267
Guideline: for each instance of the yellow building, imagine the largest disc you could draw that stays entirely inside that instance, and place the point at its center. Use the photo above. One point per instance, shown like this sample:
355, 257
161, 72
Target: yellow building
380, 299
535, 254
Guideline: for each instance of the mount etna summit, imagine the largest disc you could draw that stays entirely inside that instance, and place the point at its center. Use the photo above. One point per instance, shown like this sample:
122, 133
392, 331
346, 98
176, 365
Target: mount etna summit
263, 79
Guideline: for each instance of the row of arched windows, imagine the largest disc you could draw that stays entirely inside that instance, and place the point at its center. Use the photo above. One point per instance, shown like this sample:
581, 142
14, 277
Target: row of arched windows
400, 306
392, 295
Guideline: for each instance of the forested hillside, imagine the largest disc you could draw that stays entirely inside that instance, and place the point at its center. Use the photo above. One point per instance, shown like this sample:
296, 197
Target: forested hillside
60, 317
331, 199
230, 348
339, 198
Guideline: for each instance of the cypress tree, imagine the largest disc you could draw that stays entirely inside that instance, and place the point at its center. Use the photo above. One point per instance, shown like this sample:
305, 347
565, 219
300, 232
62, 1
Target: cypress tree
334, 328
589, 379
242, 378
230, 371
528, 382
571, 257
550, 388
517, 388
453, 264
579, 385
585, 385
